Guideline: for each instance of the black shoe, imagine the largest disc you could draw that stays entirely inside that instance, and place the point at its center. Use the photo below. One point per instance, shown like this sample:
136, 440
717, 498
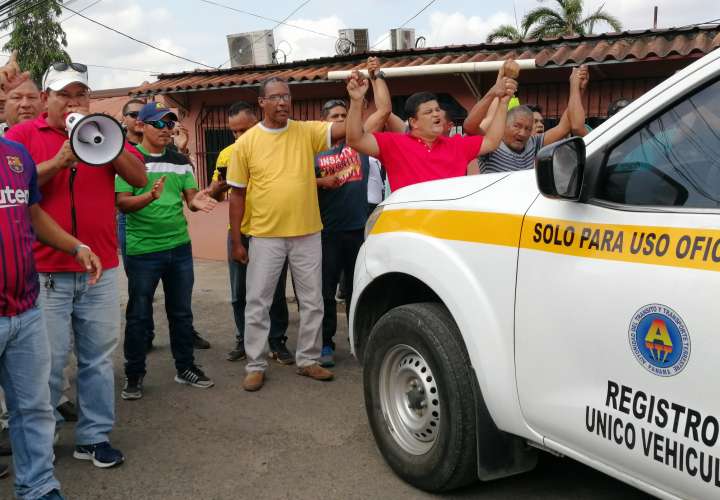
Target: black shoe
279, 352
53, 495
101, 454
237, 354
149, 345
199, 342
68, 411
5, 448
4, 471
133, 388
195, 377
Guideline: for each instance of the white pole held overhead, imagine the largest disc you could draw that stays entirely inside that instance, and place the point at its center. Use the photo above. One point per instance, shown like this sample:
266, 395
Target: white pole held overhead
436, 69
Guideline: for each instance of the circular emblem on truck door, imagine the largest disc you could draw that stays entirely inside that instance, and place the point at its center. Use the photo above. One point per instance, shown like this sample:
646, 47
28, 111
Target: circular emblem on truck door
659, 340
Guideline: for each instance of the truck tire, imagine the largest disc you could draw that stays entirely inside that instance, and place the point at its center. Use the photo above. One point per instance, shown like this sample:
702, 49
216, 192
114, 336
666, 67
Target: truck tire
419, 397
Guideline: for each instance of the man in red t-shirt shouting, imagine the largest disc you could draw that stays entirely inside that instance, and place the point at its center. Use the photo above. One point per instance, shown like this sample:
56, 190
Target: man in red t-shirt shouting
424, 153
81, 198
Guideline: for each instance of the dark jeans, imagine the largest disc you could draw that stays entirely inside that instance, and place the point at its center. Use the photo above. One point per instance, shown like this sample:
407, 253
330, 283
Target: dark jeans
121, 225
175, 268
339, 252
278, 310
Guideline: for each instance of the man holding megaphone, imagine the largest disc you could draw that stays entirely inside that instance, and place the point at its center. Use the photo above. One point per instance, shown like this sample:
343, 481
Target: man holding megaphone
78, 191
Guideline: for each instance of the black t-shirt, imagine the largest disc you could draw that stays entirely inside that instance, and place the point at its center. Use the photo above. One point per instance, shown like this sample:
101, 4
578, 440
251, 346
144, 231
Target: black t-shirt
343, 208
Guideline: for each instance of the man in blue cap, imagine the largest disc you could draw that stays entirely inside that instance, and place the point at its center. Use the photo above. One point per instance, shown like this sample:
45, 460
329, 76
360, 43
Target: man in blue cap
158, 248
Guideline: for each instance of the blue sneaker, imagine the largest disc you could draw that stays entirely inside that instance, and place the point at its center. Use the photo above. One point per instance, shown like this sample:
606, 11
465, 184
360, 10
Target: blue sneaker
327, 357
52, 495
102, 454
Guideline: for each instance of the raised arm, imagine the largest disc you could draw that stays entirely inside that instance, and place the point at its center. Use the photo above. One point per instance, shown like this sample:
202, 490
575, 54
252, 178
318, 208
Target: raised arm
579, 114
496, 129
357, 138
482, 113
573, 119
383, 106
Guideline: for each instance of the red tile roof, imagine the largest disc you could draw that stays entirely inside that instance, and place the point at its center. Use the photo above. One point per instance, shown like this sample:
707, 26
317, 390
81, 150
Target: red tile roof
548, 53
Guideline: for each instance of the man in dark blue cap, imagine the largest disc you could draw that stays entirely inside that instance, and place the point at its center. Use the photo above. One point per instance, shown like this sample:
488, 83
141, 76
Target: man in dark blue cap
157, 245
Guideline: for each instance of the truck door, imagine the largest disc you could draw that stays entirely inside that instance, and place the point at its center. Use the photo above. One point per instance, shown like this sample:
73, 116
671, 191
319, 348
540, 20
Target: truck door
617, 322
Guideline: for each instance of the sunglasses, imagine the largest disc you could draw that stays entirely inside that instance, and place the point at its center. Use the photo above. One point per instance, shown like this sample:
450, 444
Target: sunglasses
335, 102
161, 124
63, 66
132, 114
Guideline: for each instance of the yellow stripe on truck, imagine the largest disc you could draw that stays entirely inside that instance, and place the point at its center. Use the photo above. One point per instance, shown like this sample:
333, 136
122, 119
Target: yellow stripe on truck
666, 246
457, 225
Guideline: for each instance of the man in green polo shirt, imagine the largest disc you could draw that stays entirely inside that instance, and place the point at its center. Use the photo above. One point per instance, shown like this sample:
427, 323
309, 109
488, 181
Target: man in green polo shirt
158, 248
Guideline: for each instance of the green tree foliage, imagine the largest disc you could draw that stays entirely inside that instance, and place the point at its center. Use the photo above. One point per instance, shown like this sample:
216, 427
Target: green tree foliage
568, 19
545, 22
506, 33
36, 35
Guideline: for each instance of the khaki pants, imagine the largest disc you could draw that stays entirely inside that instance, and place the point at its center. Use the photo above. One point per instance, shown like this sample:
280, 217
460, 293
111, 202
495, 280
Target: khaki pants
267, 257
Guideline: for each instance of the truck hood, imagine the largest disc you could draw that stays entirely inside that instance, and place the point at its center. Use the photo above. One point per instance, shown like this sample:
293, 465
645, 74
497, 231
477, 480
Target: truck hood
445, 189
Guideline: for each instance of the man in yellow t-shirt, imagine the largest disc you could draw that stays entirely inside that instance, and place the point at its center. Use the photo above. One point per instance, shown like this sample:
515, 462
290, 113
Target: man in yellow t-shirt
241, 118
272, 173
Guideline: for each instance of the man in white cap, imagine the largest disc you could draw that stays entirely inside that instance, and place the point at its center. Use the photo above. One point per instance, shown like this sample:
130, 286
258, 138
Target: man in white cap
81, 198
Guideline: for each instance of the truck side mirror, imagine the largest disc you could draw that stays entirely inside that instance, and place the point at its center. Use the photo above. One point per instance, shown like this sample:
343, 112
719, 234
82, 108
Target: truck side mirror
560, 168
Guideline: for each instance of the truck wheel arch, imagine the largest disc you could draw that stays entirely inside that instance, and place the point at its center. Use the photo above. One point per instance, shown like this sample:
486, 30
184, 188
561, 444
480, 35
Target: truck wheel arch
509, 454
383, 294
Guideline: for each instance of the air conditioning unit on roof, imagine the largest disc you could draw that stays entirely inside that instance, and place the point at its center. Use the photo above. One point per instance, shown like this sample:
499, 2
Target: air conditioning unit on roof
402, 39
254, 48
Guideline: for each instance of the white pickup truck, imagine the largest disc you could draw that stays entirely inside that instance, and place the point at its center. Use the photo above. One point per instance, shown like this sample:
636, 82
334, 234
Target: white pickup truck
570, 309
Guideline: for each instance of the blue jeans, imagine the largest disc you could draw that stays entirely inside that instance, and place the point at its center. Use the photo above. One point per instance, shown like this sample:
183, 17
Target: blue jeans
121, 228
279, 319
121, 224
91, 317
24, 374
175, 268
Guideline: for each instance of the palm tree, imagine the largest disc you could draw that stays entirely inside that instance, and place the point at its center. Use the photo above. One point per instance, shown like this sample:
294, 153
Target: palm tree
506, 33
544, 22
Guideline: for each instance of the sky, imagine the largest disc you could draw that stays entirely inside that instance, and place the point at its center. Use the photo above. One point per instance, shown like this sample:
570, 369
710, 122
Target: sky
196, 30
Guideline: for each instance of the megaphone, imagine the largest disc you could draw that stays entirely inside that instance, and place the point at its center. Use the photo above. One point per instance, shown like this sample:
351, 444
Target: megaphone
96, 139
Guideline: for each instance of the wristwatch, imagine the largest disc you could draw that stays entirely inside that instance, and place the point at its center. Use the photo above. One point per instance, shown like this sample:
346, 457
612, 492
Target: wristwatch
77, 248
378, 74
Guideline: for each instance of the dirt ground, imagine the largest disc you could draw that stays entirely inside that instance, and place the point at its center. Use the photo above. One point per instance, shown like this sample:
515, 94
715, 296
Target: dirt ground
296, 438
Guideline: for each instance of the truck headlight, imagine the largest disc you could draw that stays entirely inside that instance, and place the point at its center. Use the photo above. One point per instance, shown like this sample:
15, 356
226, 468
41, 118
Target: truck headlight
374, 216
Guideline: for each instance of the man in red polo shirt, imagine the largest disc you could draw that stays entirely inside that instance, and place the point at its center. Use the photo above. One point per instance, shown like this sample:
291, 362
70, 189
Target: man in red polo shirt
424, 153
81, 198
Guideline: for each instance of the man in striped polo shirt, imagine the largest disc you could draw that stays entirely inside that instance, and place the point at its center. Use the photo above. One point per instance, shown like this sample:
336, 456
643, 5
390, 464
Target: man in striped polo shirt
520, 145
158, 248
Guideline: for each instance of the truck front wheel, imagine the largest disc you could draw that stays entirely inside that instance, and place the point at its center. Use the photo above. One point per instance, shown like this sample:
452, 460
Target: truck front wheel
419, 397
